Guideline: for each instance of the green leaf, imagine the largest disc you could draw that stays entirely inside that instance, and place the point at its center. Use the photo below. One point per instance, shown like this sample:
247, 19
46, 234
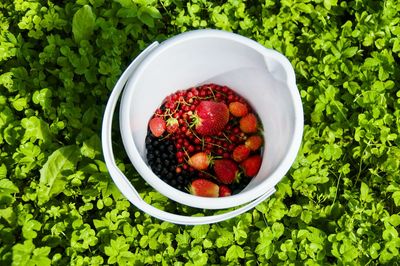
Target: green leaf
364, 195
306, 216
7, 187
43, 97
125, 3
240, 234
225, 238
332, 152
396, 46
145, 17
199, 231
6, 80
144, 241
348, 250
9, 215
35, 129
19, 104
295, 210
394, 220
265, 248
125, 257
316, 180
29, 229
349, 52
128, 12
371, 62
183, 239
22, 253
207, 243
91, 147
390, 233
83, 23
197, 256
396, 198
278, 230
52, 180
234, 252
152, 11
277, 210
40, 256
374, 250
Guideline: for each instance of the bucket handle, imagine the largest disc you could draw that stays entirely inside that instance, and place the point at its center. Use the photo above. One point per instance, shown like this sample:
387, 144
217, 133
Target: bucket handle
123, 183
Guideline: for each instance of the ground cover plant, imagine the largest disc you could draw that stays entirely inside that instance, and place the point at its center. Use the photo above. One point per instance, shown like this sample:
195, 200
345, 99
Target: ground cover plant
338, 205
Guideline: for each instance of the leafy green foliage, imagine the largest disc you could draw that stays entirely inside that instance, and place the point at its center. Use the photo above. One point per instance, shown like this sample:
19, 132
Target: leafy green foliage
52, 175
83, 23
338, 205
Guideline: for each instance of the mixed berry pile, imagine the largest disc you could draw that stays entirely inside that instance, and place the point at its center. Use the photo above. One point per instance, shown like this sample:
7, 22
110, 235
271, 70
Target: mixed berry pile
205, 140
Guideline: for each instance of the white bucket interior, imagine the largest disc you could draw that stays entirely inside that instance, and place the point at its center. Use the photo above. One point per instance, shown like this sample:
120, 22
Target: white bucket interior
260, 75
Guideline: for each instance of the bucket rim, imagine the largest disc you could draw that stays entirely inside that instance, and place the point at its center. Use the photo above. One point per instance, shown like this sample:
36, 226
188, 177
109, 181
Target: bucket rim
222, 202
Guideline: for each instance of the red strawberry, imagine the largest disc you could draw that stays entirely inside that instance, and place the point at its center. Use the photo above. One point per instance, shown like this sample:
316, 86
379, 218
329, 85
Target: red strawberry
224, 191
210, 117
254, 142
226, 170
238, 109
248, 123
204, 188
251, 165
200, 161
157, 126
240, 153
172, 125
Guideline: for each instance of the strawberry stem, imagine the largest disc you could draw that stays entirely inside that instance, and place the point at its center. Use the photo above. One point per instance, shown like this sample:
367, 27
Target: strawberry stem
183, 101
226, 137
216, 145
177, 107
167, 136
194, 134
212, 92
208, 174
187, 154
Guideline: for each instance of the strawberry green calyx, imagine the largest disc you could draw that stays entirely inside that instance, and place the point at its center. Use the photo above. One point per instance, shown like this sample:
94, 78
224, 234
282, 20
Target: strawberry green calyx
172, 125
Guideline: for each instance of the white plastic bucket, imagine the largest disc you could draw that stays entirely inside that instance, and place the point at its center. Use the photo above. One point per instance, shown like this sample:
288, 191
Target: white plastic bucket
263, 76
